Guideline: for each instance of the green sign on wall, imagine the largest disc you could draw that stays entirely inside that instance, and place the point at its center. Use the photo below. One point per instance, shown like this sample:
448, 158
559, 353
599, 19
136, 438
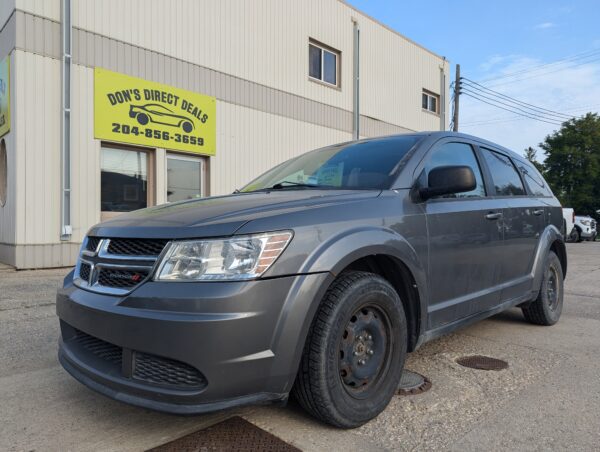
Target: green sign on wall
5, 96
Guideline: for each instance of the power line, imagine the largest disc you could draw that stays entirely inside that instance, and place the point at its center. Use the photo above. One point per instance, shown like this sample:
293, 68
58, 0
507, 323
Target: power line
546, 73
526, 115
575, 57
516, 101
503, 119
512, 106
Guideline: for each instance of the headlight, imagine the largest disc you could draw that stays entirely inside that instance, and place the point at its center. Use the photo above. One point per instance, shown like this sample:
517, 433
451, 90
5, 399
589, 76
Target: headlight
235, 258
585, 222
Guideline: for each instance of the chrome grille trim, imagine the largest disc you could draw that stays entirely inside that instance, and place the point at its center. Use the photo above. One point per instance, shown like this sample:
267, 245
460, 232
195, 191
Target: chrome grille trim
101, 259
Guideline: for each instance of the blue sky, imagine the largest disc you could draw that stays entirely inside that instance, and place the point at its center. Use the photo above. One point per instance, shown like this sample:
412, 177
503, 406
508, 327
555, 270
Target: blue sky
490, 39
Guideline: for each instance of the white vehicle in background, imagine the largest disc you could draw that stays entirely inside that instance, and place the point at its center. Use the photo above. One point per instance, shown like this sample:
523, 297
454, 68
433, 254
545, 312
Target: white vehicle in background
584, 229
568, 222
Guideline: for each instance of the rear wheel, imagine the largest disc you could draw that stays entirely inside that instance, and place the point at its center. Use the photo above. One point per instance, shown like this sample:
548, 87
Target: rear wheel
547, 307
355, 351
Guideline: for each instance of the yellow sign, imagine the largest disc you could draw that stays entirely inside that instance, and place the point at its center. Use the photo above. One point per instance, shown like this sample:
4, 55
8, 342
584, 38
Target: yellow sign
4, 96
132, 110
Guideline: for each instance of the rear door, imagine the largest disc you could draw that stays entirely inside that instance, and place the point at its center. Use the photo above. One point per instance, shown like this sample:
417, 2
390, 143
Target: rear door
523, 222
464, 239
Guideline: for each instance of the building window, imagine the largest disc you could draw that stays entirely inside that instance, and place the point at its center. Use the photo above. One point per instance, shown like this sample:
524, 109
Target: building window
3, 173
323, 63
430, 101
185, 177
124, 181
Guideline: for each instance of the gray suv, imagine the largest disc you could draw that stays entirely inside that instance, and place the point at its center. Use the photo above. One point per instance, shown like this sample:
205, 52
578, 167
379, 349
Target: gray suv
314, 280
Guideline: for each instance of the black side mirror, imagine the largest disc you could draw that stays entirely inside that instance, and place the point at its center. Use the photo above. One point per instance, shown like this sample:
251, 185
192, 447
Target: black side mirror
446, 180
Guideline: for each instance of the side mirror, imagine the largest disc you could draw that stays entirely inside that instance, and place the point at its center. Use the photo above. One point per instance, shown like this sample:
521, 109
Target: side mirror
446, 180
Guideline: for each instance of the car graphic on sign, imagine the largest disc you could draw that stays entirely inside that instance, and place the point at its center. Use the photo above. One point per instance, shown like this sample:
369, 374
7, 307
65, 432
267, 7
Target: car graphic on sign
159, 114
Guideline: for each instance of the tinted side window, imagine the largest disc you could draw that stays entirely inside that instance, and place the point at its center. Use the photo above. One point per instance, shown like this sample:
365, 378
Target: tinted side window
535, 181
452, 154
504, 174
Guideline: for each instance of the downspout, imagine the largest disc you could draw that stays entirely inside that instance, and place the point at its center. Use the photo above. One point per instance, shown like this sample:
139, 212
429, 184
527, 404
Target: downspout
443, 94
356, 107
65, 135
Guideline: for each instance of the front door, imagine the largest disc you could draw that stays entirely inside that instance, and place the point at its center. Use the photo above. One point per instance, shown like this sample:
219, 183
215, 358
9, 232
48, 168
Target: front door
465, 237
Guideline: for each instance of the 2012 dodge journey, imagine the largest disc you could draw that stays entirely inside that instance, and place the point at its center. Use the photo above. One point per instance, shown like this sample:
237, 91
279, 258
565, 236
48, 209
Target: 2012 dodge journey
313, 280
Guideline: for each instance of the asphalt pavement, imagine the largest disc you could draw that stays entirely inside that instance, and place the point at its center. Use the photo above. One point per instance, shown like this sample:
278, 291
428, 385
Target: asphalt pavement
547, 399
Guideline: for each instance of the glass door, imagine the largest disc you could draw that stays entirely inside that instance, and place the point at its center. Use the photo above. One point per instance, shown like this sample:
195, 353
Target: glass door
125, 179
185, 177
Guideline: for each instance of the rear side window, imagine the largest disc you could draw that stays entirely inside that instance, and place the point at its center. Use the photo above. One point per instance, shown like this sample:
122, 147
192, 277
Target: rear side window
535, 181
504, 174
454, 154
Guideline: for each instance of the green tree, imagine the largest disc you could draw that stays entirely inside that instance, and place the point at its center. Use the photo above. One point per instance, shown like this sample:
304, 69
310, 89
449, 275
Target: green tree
531, 155
572, 165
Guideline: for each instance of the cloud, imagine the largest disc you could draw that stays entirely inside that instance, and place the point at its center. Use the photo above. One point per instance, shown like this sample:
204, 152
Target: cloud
544, 25
571, 90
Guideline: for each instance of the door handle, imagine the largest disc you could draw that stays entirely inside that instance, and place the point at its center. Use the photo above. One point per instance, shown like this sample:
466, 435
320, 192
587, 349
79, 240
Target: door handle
493, 216
538, 211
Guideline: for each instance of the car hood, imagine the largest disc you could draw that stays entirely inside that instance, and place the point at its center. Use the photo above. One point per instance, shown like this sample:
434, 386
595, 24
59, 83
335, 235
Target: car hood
219, 215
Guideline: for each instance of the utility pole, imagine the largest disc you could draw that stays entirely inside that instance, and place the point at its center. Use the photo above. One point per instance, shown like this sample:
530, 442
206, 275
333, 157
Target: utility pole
456, 99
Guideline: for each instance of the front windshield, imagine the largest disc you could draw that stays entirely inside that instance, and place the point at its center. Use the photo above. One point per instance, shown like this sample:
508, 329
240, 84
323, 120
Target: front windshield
359, 165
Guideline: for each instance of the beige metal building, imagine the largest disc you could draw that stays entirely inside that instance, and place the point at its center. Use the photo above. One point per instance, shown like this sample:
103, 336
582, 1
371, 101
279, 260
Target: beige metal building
115, 105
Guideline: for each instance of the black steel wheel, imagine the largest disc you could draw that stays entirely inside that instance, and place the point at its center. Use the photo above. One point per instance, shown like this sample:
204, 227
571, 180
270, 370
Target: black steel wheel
354, 353
547, 307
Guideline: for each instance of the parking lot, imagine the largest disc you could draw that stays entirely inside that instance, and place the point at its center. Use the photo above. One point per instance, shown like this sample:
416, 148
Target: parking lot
547, 399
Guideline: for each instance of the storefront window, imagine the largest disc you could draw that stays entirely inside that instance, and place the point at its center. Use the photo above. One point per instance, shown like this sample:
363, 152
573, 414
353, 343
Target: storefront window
184, 178
124, 180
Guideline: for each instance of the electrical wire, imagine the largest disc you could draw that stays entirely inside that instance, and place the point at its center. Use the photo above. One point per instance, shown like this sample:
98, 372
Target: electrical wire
512, 106
526, 115
578, 56
541, 110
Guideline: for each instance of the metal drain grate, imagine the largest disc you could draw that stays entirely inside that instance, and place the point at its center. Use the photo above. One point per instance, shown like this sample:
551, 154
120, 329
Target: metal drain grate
234, 434
482, 362
412, 383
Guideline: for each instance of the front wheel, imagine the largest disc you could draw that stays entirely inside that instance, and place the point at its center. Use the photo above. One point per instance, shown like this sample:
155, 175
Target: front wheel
355, 351
547, 307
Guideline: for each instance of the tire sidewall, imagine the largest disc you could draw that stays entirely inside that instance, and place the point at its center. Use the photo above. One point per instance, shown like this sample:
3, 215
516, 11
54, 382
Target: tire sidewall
552, 314
375, 291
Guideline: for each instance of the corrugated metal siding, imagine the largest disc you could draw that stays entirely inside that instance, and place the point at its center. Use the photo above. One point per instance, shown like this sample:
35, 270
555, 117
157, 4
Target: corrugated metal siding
250, 142
45, 8
38, 140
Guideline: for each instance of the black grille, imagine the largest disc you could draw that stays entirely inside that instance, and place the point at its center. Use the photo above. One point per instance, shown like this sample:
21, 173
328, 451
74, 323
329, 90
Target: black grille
164, 371
113, 277
84, 271
92, 243
105, 350
136, 247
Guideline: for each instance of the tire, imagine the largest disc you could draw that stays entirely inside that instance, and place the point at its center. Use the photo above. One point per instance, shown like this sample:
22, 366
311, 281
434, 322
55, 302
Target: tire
187, 126
547, 307
360, 312
575, 235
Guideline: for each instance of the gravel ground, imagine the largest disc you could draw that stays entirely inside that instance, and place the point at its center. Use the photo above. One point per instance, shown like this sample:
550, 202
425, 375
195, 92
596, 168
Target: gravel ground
548, 398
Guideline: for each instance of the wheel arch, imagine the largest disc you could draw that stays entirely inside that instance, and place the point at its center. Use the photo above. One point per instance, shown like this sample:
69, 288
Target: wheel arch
371, 248
550, 240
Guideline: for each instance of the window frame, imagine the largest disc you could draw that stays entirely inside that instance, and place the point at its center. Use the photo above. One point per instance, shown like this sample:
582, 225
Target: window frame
338, 59
492, 187
430, 94
189, 158
545, 187
420, 168
151, 175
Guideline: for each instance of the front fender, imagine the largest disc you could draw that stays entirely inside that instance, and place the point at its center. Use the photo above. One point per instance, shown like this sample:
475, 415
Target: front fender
328, 261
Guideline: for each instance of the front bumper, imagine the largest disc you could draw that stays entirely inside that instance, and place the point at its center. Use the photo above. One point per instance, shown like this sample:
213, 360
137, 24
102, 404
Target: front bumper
188, 347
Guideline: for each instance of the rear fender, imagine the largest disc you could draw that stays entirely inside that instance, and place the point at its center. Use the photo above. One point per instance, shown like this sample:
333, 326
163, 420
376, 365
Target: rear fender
550, 235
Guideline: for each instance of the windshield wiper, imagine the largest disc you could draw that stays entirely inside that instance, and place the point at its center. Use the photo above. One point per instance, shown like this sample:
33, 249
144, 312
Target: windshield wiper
289, 183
